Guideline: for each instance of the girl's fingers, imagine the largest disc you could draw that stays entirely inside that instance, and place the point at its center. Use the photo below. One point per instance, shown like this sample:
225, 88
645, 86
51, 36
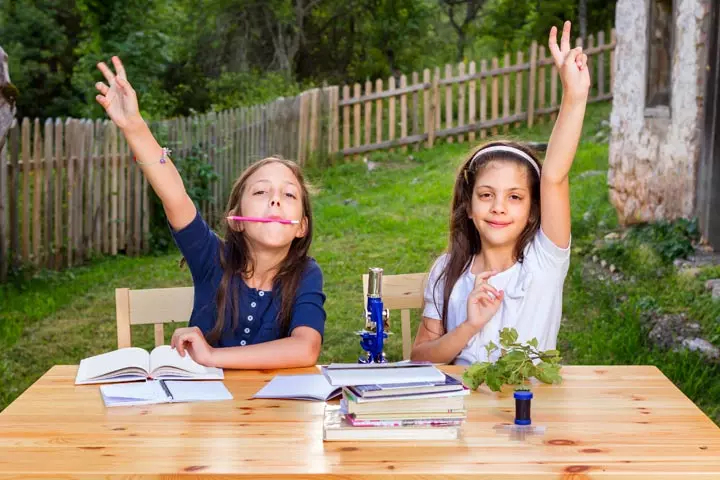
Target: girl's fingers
486, 288
482, 277
180, 346
124, 85
103, 101
565, 40
487, 296
581, 61
573, 55
554, 48
185, 338
119, 67
102, 88
107, 73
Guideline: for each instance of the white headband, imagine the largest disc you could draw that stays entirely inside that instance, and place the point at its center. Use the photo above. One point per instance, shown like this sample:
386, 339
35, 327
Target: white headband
507, 149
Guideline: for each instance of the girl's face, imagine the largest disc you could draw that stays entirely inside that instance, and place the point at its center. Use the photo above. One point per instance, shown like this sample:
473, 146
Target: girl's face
272, 191
500, 205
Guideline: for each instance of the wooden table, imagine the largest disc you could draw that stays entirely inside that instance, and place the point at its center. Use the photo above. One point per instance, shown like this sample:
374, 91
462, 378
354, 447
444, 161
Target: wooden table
619, 422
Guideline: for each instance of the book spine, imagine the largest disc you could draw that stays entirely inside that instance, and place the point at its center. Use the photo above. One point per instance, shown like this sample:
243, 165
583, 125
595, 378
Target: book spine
402, 423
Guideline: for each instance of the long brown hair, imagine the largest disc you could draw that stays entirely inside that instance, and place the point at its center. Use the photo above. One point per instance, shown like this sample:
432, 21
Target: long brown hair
235, 258
464, 241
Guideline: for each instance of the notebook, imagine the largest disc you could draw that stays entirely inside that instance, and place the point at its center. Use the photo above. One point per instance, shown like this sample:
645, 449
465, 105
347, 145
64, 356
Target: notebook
449, 384
423, 405
163, 391
299, 387
336, 427
128, 364
351, 393
342, 375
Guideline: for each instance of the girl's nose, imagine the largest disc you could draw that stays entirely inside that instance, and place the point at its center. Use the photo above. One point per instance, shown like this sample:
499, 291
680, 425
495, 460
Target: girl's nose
498, 207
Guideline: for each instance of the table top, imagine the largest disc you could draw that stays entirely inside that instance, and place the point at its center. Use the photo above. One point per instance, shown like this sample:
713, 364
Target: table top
602, 421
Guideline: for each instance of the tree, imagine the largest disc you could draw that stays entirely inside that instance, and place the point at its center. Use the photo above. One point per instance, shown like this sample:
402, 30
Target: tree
8, 96
582, 17
40, 38
472, 10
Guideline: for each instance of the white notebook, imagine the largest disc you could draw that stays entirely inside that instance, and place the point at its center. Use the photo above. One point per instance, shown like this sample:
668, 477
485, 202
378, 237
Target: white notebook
343, 375
163, 391
128, 364
299, 387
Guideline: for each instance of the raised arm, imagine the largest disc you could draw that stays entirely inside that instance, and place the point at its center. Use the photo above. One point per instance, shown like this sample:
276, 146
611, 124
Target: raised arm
554, 185
120, 102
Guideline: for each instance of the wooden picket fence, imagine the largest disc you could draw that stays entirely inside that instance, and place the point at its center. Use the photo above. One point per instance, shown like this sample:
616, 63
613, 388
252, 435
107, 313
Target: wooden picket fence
69, 189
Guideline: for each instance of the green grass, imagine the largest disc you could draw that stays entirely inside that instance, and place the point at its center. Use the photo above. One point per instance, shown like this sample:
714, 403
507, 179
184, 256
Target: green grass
395, 218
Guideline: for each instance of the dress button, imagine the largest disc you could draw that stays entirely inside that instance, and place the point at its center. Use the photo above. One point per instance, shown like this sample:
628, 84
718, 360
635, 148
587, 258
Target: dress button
250, 318
261, 293
242, 342
253, 304
247, 330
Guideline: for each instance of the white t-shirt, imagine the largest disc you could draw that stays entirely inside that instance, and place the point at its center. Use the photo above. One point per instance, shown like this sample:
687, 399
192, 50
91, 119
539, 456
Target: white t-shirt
532, 303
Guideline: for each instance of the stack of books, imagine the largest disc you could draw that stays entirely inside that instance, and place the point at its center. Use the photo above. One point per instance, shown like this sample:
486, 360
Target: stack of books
420, 403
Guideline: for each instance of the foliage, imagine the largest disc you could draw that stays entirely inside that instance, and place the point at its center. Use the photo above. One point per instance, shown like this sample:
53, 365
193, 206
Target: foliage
198, 176
648, 248
516, 365
187, 56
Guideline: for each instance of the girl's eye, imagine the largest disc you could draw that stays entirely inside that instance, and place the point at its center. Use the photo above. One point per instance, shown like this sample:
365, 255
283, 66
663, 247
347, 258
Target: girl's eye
485, 195
291, 195
515, 197
259, 192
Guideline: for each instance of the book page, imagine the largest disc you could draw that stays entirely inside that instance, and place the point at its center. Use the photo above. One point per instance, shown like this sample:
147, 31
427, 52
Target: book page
124, 361
298, 387
166, 361
145, 393
372, 376
201, 391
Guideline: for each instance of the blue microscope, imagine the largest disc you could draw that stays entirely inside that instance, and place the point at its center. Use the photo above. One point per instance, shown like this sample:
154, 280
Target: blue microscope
377, 321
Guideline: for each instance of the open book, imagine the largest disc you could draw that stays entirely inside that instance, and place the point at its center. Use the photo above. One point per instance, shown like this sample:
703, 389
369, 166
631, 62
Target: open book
128, 364
161, 391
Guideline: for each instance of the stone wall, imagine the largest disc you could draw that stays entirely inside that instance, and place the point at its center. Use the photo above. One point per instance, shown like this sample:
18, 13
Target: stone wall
654, 154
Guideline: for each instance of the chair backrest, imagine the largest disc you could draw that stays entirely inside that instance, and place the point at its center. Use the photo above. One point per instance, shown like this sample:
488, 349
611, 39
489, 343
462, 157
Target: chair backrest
151, 306
401, 292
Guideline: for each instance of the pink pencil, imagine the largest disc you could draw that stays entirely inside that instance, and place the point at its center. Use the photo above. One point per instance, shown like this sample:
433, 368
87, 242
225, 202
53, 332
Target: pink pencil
264, 220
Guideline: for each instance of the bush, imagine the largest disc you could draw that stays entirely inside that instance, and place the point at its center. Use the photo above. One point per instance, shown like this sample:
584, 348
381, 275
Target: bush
198, 176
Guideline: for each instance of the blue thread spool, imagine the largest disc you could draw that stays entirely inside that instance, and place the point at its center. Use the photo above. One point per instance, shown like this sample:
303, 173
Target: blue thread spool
522, 407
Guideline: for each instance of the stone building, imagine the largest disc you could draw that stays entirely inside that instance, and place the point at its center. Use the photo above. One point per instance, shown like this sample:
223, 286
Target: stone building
665, 140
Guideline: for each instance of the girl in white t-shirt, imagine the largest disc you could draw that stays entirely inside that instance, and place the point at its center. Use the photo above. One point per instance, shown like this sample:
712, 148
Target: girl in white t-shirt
506, 262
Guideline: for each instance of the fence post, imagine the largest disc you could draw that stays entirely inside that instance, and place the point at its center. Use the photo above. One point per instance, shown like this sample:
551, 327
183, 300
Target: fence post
434, 99
532, 79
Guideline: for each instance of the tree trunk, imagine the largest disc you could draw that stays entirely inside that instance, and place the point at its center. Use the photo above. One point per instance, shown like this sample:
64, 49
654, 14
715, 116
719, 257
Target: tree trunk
582, 16
7, 99
461, 46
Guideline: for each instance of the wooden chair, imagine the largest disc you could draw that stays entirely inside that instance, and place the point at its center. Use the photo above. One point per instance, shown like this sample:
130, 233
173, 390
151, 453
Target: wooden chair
155, 306
403, 292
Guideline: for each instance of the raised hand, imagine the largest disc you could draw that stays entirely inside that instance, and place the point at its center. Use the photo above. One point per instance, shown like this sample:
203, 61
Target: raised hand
117, 96
571, 64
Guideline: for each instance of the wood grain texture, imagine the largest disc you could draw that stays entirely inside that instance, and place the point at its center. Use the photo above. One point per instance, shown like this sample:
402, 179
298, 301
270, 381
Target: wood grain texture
602, 422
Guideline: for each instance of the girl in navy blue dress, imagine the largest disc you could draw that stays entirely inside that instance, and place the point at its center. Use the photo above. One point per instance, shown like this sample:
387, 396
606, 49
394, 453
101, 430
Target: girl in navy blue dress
259, 299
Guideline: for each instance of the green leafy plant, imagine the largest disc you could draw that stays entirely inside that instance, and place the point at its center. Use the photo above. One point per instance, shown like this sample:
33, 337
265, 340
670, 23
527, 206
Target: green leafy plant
198, 177
516, 364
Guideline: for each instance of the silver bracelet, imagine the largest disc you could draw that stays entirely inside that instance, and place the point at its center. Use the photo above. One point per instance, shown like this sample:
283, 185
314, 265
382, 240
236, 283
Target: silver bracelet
163, 157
